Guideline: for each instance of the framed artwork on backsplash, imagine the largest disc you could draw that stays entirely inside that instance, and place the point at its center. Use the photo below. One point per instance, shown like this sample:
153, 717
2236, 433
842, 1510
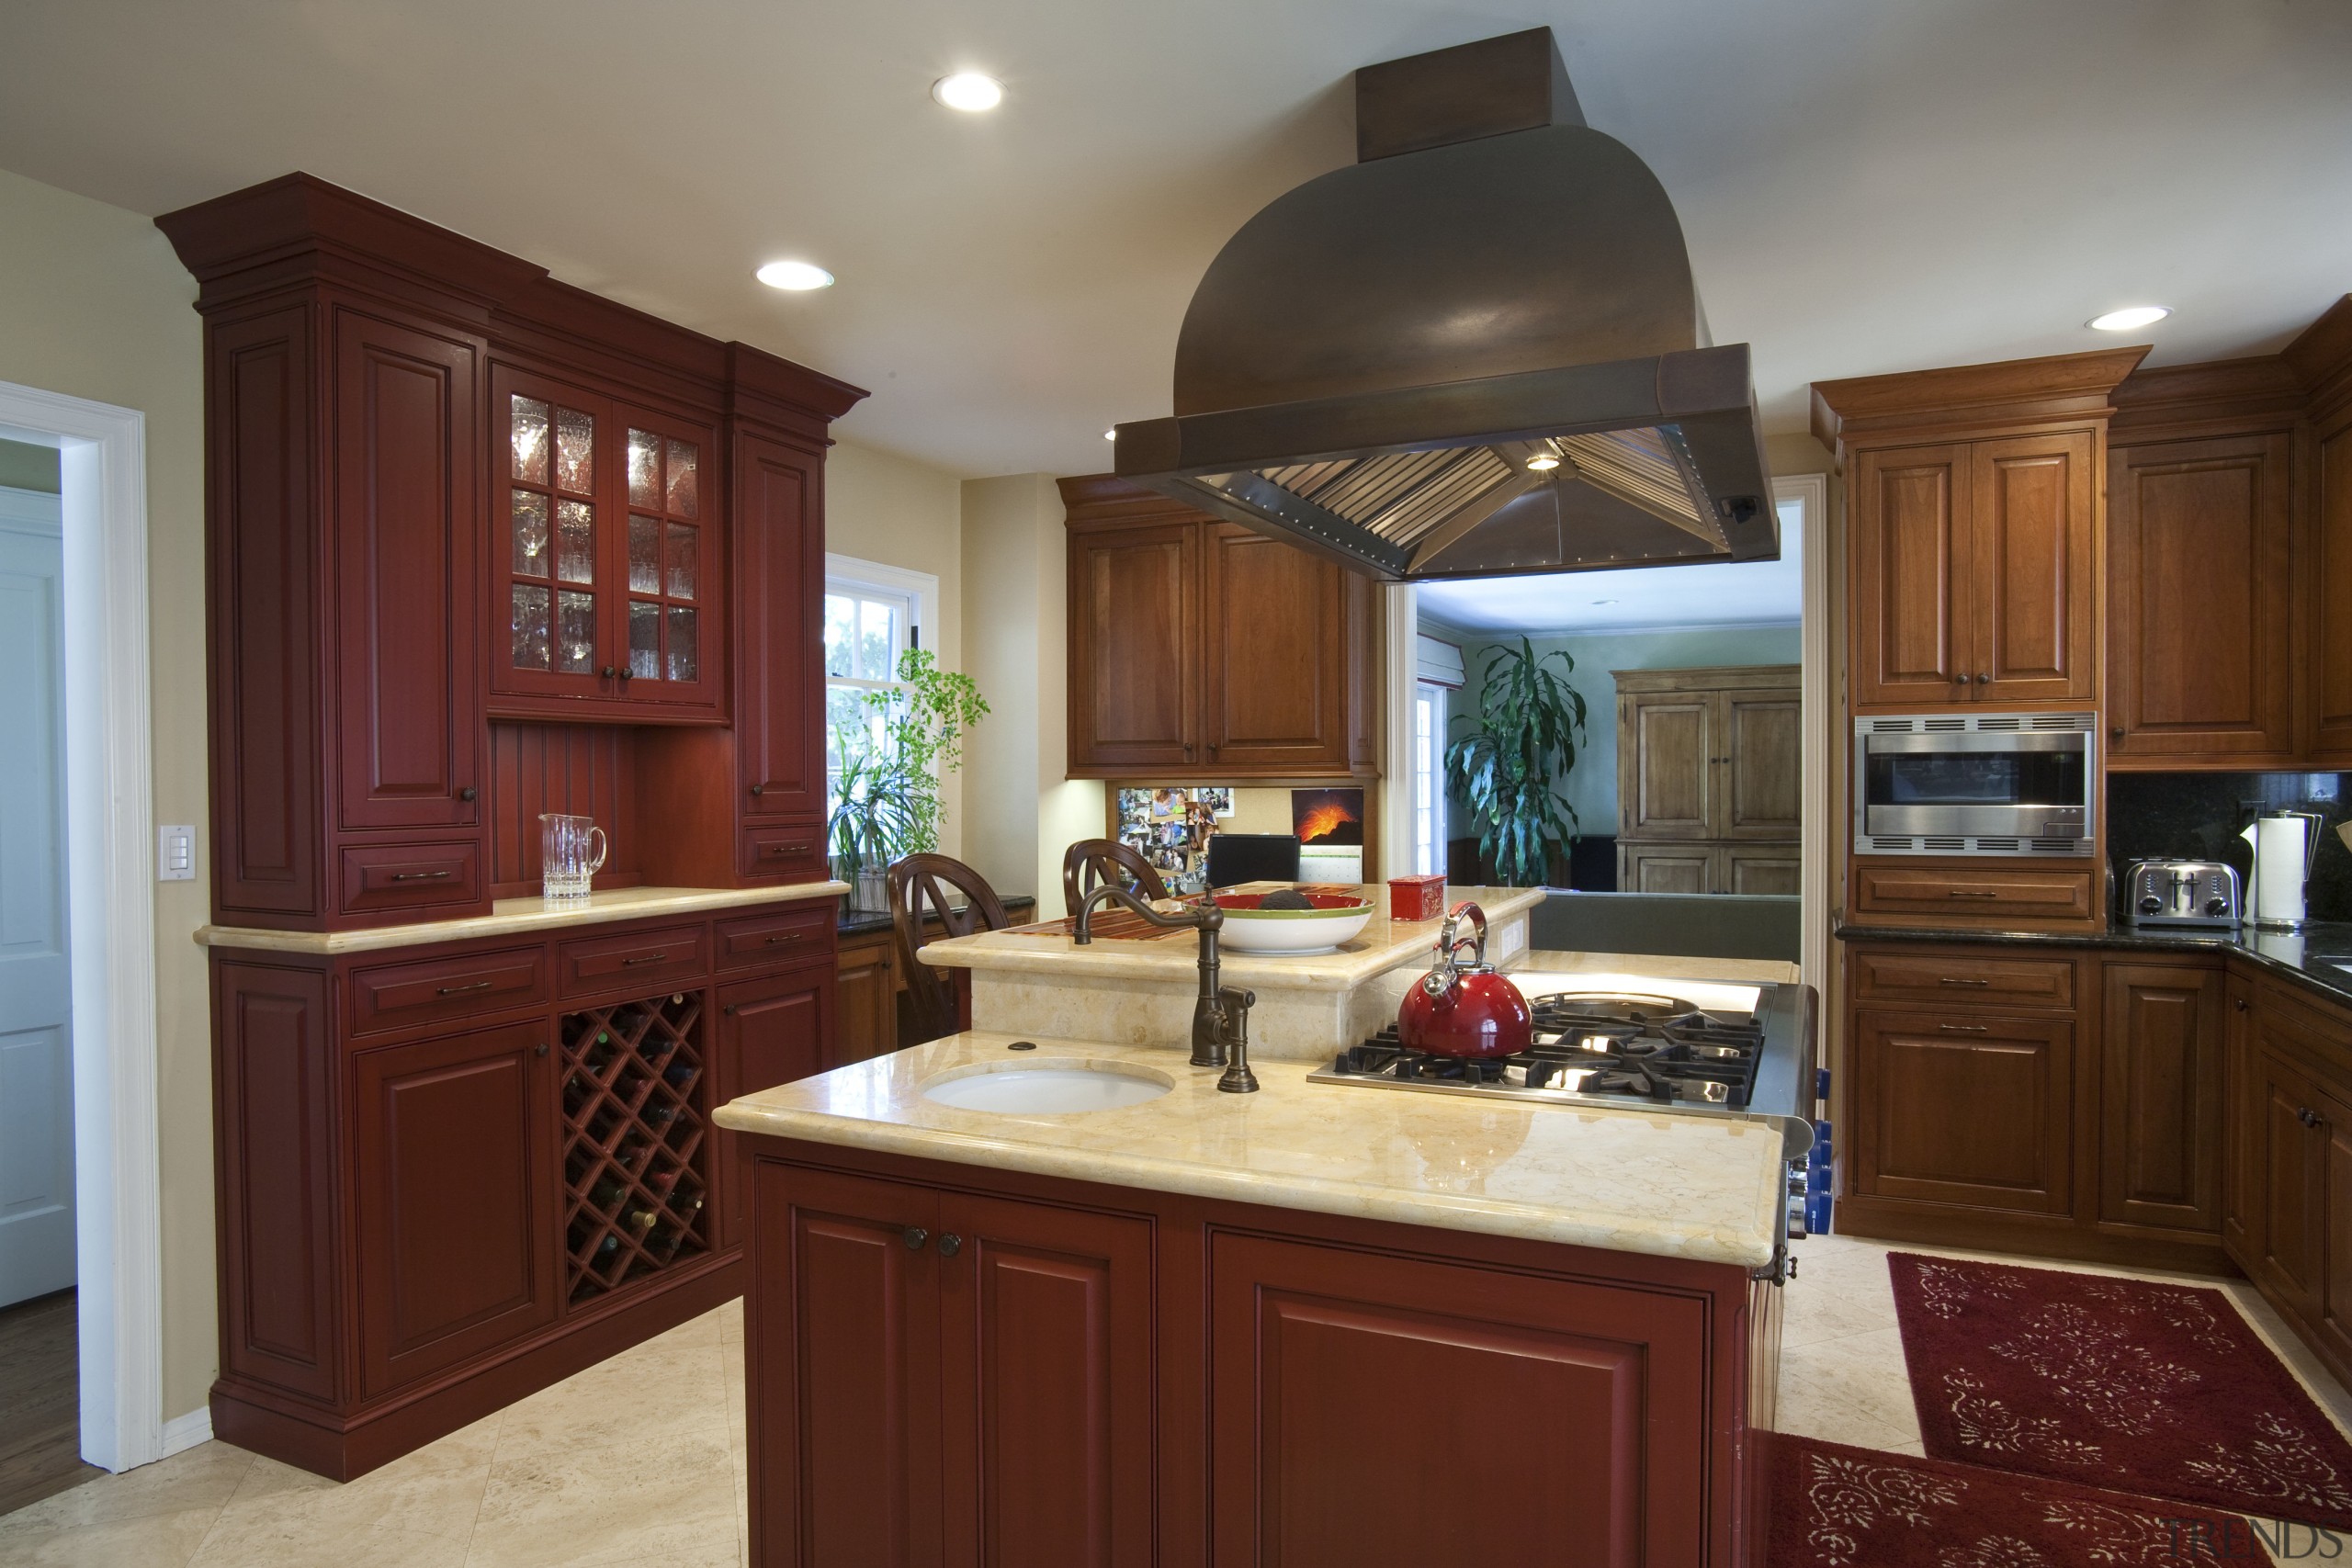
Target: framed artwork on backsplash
1329, 825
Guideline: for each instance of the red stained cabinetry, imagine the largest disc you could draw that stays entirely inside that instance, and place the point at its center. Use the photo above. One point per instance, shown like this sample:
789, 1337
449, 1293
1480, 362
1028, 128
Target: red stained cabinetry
952, 1365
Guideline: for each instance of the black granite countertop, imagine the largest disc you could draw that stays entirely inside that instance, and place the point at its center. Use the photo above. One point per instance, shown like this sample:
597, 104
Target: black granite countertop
865, 923
2313, 955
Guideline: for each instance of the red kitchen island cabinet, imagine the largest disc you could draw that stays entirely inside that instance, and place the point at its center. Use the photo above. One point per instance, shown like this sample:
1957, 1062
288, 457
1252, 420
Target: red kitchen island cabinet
963, 1363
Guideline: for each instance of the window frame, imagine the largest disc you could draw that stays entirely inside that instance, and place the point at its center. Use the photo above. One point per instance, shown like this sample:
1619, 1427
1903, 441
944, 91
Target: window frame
1428, 802
868, 579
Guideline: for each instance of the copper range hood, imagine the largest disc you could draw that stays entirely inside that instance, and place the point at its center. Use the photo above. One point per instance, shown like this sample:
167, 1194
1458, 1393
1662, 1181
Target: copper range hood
1475, 350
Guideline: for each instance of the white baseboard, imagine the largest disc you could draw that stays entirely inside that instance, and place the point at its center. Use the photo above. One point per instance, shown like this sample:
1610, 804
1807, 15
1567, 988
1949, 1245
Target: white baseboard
185, 1431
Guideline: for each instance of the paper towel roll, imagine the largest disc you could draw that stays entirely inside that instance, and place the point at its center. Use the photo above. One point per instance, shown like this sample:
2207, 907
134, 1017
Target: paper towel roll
2281, 850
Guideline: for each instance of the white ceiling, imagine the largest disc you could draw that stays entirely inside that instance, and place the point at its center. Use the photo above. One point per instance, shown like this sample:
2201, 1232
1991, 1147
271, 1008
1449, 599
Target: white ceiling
1643, 598
1866, 185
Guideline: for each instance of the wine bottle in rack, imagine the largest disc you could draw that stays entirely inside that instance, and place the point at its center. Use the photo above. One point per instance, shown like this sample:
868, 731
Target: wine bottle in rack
643, 1219
660, 1115
610, 1244
659, 1183
606, 1193
678, 1075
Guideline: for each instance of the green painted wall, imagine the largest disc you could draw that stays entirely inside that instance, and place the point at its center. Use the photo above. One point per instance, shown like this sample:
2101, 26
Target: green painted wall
24, 467
1592, 783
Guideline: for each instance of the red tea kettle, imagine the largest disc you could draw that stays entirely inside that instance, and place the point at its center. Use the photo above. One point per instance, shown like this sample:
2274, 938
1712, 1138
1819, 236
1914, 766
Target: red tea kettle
1465, 1010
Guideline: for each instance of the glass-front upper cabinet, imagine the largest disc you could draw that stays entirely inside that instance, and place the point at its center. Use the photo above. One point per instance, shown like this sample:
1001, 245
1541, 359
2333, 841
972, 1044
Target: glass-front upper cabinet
606, 601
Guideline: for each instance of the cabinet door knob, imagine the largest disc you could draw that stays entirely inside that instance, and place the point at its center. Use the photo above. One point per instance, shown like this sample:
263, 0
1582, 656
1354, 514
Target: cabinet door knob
950, 1244
759, 789
1960, 679
2307, 1116
467, 793
608, 673
2115, 732
541, 1049
2238, 1002
914, 1237
1984, 680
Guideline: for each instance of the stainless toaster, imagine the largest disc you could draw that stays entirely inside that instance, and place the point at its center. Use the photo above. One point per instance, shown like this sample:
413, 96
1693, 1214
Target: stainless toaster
2182, 893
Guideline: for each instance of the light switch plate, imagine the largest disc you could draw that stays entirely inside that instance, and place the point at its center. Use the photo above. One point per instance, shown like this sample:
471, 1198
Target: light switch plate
176, 854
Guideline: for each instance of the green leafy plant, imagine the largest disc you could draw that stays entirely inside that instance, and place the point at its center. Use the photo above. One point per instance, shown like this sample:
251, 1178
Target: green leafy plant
886, 794
1530, 722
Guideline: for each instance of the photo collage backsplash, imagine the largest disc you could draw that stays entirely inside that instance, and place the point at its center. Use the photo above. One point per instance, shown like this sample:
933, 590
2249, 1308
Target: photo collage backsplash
2199, 817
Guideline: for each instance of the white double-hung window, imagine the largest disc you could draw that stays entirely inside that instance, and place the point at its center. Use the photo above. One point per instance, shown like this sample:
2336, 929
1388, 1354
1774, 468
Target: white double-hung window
873, 614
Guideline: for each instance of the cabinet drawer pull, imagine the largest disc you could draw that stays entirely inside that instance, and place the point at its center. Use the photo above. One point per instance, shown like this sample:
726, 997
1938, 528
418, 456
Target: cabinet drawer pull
473, 985
778, 941
418, 875
1965, 1028
1971, 893
644, 958
914, 1237
1948, 980
787, 848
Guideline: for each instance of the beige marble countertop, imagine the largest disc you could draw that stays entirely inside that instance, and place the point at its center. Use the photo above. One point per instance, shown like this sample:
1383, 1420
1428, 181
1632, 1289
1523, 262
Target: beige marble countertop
518, 917
1382, 945
1701, 1187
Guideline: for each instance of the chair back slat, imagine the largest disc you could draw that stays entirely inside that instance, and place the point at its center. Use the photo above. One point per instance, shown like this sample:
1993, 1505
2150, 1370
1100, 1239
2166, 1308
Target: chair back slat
917, 887
1089, 863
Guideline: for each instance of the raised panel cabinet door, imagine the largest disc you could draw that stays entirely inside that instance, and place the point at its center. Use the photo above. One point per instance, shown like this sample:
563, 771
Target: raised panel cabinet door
2335, 1273
1046, 1371
262, 409
2200, 599
1274, 637
1666, 868
453, 1159
842, 1372
865, 989
1321, 1355
779, 575
1763, 764
1667, 767
1910, 576
2034, 562
2294, 1144
1135, 659
1776, 869
2241, 1127
2162, 1034
274, 1122
1965, 1108
770, 1030
2328, 647
407, 518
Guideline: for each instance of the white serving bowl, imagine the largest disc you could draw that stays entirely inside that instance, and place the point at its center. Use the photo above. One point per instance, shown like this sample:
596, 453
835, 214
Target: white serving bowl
1336, 918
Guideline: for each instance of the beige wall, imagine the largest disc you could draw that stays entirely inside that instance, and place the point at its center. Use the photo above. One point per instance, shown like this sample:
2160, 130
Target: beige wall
93, 303
1024, 814
882, 507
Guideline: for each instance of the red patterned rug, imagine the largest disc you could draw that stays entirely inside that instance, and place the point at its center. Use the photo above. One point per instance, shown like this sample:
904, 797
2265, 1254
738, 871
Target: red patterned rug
1839, 1507
2158, 1390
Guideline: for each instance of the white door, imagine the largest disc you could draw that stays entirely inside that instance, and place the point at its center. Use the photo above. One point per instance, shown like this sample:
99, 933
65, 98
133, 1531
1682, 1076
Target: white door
36, 1033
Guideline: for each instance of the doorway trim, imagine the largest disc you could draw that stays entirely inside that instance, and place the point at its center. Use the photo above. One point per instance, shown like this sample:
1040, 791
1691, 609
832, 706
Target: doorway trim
109, 830
1811, 491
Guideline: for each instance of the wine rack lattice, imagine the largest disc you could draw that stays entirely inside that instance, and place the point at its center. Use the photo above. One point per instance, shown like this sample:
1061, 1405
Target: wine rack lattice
636, 1125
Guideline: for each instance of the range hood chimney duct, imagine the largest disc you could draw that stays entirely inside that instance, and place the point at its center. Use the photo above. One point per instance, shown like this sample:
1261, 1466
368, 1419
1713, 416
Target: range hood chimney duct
1476, 350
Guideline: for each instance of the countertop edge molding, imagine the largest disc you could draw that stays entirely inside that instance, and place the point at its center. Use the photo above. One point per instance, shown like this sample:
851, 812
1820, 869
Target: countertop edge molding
517, 917
1315, 1195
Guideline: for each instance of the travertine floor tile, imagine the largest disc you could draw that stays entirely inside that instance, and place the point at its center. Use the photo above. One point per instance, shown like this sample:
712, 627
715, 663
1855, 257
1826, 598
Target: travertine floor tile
633, 1502
200, 1480
142, 1540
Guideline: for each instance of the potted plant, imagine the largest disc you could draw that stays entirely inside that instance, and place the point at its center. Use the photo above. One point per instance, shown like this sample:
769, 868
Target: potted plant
1530, 722
886, 794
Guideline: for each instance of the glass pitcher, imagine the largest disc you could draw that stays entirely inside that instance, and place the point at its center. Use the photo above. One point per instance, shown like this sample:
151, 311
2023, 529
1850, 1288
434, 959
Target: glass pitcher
571, 850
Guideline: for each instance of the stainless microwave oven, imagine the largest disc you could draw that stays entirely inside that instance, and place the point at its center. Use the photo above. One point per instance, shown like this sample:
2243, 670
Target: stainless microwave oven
1991, 783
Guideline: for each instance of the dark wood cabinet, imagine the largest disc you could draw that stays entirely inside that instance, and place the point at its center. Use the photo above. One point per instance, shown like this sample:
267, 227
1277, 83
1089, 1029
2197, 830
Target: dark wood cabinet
1200, 649
865, 981
1972, 1109
779, 555
2163, 1029
2012, 894
770, 1030
2200, 601
1318, 1352
1975, 529
954, 1363
2241, 1128
981, 1370
2293, 1139
2322, 357
455, 1152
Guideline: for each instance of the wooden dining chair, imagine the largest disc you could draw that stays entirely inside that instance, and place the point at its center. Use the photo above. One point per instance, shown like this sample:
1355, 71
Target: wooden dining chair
916, 888
1089, 863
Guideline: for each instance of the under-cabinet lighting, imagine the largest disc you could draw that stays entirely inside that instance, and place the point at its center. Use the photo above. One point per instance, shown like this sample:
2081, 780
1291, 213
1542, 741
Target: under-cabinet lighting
797, 275
969, 91
2131, 318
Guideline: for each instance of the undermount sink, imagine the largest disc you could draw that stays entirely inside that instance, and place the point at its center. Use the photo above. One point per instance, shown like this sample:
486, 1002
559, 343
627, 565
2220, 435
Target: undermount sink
1050, 1088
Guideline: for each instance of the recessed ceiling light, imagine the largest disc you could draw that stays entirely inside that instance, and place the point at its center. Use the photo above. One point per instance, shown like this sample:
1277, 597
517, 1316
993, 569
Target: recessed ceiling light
2131, 318
1542, 462
1111, 434
968, 91
794, 275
